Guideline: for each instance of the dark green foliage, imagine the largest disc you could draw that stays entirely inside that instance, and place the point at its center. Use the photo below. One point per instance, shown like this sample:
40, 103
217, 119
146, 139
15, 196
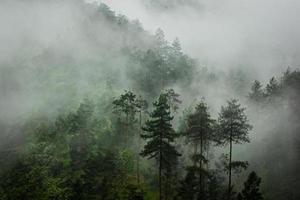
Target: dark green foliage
126, 105
200, 130
236, 166
283, 96
188, 187
29, 180
159, 132
160, 66
173, 99
251, 188
214, 186
200, 125
129, 105
160, 137
141, 106
64, 160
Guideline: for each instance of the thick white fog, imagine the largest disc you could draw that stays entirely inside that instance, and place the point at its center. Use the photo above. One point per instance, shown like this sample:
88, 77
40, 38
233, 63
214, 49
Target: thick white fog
260, 36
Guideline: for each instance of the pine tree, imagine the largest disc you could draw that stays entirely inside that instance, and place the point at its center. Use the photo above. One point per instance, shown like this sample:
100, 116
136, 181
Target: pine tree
170, 172
173, 99
251, 188
160, 136
188, 187
176, 47
126, 104
272, 88
256, 93
233, 129
200, 133
141, 106
214, 186
160, 39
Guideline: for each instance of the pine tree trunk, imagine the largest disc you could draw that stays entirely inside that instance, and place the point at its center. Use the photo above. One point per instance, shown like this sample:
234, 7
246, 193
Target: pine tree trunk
166, 187
229, 176
126, 131
200, 175
160, 168
162, 79
138, 157
195, 153
159, 181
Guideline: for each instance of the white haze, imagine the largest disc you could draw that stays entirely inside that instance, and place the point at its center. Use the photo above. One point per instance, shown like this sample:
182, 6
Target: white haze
261, 37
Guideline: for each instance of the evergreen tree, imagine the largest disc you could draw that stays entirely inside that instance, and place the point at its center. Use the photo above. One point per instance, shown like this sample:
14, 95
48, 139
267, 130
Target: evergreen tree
173, 99
200, 132
160, 39
126, 104
176, 47
272, 88
214, 189
160, 136
141, 106
256, 93
233, 129
188, 187
251, 188
170, 172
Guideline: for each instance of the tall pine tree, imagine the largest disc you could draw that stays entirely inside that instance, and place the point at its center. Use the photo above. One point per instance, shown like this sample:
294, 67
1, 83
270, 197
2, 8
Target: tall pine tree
126, 104
141, 106
200, 133
160, 137
233, 129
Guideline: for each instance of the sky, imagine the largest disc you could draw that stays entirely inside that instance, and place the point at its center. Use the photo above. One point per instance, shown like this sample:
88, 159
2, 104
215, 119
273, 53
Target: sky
260, 36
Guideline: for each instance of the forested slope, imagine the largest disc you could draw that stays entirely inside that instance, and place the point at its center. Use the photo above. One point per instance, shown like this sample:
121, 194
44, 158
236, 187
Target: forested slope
95, 107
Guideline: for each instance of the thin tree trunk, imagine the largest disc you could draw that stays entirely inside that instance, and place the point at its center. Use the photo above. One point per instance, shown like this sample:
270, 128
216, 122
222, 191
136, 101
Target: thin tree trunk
229, 176
126, 130
138, 156
200, 175
160, 168
195, 153
166, 187
162, 78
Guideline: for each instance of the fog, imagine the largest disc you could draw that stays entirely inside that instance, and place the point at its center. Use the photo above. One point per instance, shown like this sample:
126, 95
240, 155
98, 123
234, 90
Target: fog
53, 54
38, 39
258, 36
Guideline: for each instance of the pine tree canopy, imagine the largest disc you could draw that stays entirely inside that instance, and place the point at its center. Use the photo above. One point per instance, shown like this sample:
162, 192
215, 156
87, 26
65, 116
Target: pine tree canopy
233, 123
251, 188
159, 132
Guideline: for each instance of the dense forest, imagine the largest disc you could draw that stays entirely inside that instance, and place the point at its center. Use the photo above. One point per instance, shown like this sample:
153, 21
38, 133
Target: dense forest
94, 106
